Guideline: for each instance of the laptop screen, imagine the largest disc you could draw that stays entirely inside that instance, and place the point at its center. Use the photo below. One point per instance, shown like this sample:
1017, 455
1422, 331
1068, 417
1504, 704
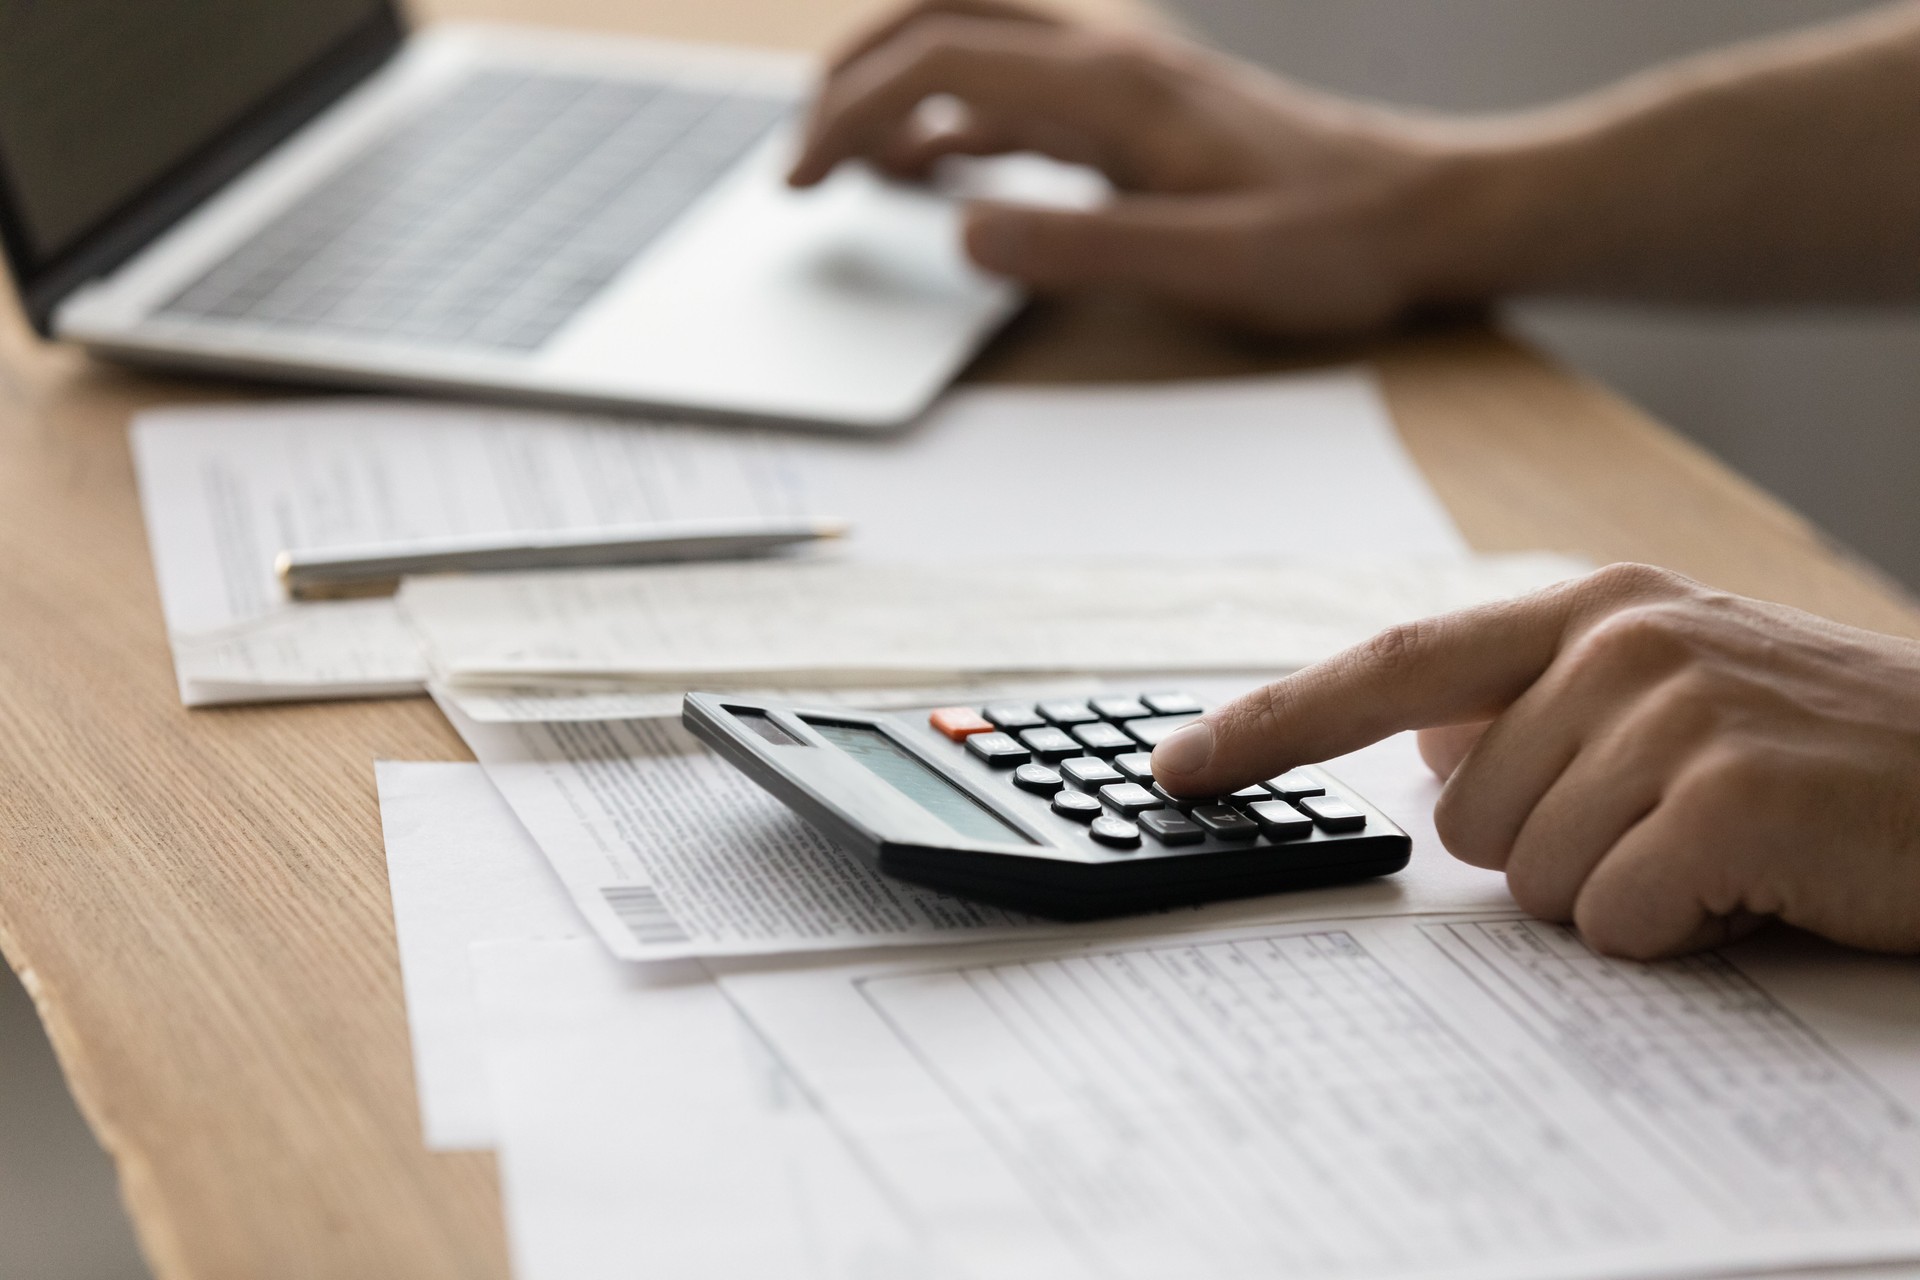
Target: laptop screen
102, 99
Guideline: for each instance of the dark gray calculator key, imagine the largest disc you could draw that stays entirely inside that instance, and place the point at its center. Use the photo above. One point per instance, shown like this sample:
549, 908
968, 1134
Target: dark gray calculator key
1038, 779
1173, 704
1129, 797
1169, 827
1225, 821
1102, 738
1064, 713
1120, 708
1249, 795
1116, 833
1136, 765
998, 748
1295, 784
1090, 773
1050, 743
1171, 800
1077, 805
1280, 820
1013, 716
1150, 732
1332, 814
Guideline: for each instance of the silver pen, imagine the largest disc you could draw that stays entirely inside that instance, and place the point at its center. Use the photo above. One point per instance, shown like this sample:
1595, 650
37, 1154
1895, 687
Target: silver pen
376, 569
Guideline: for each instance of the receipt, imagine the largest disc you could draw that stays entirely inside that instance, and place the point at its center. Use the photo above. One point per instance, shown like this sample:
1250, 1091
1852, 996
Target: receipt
834, 623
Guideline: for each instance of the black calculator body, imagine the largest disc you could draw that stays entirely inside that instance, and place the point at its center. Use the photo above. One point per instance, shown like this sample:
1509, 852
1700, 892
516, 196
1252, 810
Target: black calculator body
1046, 807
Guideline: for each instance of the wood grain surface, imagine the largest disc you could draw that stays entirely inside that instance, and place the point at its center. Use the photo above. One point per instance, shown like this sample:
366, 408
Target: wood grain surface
198, 900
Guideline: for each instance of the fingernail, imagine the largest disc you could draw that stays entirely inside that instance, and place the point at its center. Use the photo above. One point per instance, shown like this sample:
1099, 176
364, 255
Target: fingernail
1186, 750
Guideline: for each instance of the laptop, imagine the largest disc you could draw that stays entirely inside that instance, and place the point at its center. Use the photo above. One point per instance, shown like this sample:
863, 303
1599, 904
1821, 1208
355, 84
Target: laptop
301, 189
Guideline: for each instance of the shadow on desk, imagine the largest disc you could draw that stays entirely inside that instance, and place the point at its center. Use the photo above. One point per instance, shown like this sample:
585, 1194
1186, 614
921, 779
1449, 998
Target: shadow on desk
60, 1215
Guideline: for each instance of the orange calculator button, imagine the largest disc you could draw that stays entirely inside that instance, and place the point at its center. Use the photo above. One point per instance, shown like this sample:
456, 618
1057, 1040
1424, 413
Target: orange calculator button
958, 723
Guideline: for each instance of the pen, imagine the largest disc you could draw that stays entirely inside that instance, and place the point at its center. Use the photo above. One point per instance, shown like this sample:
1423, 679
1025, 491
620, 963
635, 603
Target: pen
376, 568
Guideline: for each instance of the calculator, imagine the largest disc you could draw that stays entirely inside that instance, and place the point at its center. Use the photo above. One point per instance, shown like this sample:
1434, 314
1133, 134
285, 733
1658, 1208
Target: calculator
1046, 807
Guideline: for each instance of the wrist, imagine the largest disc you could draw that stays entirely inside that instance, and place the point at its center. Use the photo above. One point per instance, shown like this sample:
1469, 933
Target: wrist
1498, 209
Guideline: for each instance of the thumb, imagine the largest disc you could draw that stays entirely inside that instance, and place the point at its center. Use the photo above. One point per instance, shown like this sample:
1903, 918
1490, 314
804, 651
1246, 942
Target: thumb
1190, 249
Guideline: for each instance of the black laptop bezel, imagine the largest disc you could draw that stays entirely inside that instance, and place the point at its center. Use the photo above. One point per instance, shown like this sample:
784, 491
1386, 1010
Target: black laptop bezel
44, 283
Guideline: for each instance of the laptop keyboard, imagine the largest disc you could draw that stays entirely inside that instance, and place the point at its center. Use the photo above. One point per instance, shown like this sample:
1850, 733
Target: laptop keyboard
489, 219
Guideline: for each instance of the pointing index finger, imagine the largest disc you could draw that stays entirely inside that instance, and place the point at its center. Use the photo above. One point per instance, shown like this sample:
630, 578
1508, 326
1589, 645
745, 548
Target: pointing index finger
1455, 667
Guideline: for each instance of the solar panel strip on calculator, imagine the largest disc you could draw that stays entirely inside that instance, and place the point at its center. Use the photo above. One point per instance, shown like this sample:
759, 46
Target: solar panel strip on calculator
490, 219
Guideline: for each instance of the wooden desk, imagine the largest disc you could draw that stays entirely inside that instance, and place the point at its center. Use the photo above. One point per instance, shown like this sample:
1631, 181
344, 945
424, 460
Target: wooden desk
198, 900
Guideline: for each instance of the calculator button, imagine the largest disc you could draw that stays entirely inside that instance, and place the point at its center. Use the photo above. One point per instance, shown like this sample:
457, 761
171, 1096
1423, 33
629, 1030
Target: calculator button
1038, 779
1098, 737
1171, 800
1330, 814
1067, 713
1148, 733
1050, 743
1090, 773
1173, 704
1077, 805
1295, 784
1279, 819
1136, 765
1012, 717
959, 723
1120, 708
1249, 795
1225, 821
998, 748
1169, 827
1129, 797
1116, 833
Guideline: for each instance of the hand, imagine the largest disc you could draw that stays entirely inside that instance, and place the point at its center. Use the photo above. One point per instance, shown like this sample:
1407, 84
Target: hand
1240, 196
1661, 764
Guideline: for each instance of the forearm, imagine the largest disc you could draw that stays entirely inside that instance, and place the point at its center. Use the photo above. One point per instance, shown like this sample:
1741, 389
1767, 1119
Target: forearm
1787, 170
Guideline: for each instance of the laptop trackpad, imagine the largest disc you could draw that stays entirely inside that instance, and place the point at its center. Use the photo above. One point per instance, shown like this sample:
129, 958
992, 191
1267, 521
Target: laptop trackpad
852, 302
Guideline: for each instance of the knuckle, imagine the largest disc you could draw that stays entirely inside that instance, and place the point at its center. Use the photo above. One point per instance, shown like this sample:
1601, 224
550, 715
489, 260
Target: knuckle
1398, 649
1628, 581
1640, 639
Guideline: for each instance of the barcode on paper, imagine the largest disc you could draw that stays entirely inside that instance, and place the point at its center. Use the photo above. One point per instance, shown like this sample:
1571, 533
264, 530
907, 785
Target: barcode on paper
646, 917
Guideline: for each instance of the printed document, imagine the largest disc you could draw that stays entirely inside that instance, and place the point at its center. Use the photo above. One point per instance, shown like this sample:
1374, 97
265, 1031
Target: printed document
1476, 1096
670, 852
464, 871
644, 1130
992, 473
226, 489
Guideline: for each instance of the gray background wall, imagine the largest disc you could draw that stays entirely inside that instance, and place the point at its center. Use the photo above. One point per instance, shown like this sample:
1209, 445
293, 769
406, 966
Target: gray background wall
1821, 408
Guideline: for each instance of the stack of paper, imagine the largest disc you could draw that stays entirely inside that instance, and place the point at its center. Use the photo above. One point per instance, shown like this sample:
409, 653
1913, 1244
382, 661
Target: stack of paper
1306, 466
1354, 1085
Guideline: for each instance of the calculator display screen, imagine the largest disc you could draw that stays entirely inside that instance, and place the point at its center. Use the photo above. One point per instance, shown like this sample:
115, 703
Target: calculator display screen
913, 779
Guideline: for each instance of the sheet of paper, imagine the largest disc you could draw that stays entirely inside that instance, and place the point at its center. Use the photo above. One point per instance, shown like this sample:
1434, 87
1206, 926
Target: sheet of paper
670, 852
225, 489
464, 871
461, 871
839, 623
645, 1131
1472, 1096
